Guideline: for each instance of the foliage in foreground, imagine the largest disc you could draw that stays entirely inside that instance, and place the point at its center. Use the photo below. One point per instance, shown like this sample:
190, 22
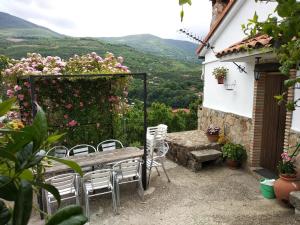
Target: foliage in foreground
21, 169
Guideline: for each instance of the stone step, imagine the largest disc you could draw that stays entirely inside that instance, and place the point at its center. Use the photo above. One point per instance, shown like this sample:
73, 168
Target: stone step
206, 155
295, 201
201, 156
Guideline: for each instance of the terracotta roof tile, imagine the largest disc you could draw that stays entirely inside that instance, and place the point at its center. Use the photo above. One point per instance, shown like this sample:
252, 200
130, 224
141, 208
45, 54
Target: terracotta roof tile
216, 25
258, 41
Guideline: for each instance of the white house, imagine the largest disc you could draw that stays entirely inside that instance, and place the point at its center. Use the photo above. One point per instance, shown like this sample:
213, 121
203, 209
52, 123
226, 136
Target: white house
244, 106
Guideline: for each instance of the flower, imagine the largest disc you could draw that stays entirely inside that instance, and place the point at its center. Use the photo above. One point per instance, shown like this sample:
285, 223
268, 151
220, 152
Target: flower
17, 88
21, 97
69, 106
72, 123
213, 130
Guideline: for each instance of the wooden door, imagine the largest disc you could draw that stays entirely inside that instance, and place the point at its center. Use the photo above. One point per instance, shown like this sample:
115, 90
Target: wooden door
273, 123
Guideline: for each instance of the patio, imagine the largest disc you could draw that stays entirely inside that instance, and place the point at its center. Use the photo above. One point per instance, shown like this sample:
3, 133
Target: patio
215, 195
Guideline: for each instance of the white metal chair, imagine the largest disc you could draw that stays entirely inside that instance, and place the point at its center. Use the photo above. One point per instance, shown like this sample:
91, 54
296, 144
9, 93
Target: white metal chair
157, 135
157, 160
109, 145
66, 184
82, 149
127, 171
58, 151
95, 183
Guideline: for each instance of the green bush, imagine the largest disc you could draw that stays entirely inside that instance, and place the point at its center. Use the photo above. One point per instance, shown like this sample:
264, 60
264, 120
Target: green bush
234, 152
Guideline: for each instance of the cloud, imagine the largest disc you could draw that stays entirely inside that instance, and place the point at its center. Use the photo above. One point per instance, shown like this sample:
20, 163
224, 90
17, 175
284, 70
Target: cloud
112, 17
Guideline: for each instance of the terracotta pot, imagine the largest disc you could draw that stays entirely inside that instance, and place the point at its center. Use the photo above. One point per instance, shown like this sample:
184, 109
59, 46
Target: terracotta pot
212, 137
220, 80
233, 164
284, 185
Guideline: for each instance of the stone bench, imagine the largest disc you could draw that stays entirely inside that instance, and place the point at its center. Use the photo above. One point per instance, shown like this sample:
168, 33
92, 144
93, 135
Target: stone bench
201, 156
182, 144
295, 201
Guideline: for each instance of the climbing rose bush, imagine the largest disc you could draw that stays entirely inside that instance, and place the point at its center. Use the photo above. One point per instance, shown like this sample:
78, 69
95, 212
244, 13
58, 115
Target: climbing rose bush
36, 64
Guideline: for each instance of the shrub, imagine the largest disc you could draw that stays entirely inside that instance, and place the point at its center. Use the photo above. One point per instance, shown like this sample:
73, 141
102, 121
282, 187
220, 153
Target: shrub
234, 152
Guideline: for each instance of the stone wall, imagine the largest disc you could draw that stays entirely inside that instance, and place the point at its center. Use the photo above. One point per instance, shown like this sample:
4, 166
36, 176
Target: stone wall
236, 128
294, 138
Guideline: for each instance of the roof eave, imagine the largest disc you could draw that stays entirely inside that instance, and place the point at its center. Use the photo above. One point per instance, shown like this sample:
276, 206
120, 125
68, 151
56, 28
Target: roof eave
224, 19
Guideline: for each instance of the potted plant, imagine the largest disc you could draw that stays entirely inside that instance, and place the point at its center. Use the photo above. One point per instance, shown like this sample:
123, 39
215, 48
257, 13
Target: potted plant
212, 133
234, 154
287, 181
220, 74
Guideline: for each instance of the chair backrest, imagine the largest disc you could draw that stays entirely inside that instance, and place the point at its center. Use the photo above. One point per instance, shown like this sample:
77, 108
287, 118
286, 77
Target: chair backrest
128, 168
82, 149
98, 178
63, 182
151, 130
160, 135
109, 145
58, 151
150, 147
163, 150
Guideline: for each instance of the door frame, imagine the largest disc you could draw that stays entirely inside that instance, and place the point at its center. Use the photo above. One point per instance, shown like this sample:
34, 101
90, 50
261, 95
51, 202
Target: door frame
258, 116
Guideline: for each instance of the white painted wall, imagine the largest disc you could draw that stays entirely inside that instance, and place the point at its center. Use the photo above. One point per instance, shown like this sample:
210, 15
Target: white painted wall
296, 113
239, 101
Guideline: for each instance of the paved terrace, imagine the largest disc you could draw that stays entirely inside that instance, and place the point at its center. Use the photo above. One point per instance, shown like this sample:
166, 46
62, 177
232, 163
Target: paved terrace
214, 195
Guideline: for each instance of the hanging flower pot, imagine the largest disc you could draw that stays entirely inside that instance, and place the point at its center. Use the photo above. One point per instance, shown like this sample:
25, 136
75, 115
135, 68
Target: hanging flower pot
220, 80
220, 74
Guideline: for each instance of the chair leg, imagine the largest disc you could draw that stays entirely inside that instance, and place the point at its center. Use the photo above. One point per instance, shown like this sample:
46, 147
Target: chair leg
157, 171
149, 176
141, 189
118, 193
115, 207
163, 166
87, 206
48, 206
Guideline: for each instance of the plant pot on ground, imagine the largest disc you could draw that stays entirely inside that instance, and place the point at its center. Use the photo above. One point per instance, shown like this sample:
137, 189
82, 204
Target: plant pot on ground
235, 155
287, 181
220, 74
212, 133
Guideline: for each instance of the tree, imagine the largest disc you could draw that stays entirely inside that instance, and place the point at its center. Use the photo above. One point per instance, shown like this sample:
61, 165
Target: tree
285, 32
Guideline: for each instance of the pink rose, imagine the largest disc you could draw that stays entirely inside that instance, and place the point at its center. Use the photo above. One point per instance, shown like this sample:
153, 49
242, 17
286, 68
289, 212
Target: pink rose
66, 116
72, 123
69, 106
21, 97
17, 88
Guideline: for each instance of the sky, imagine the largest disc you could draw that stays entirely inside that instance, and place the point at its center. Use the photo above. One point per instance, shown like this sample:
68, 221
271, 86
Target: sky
110, 18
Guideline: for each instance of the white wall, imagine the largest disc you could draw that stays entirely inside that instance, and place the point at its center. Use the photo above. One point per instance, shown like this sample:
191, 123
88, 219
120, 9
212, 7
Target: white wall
296, 113
216, 96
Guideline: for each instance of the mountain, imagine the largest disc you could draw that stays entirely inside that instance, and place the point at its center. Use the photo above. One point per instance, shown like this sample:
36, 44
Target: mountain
171, 80
16, 28
175, 49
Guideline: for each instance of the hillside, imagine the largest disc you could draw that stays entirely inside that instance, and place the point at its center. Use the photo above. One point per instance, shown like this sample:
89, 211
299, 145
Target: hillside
172, 81
175, 49
13, 27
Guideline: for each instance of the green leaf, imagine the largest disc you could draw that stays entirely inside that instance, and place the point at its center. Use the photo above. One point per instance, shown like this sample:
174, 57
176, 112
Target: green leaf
182, 2
23, 204
39, 128
50, 188
7, 155
6, 106
73, 165
70, 215
5, 214
27, 175
181, 14
54, 138
24, 156
8, 188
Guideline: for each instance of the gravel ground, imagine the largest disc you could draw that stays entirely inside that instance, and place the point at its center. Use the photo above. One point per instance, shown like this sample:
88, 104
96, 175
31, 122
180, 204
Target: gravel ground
215, 195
